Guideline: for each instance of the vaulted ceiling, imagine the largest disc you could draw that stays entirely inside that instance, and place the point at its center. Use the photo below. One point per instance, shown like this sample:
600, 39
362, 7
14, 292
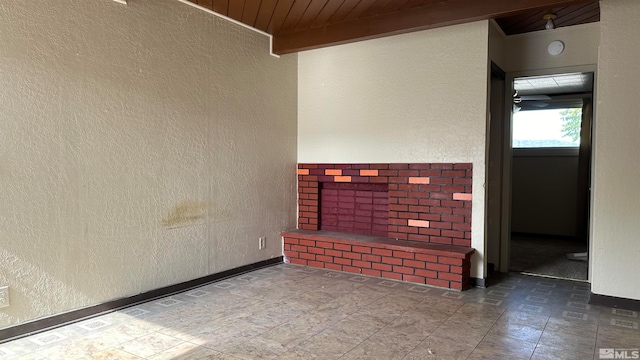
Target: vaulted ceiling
298, 25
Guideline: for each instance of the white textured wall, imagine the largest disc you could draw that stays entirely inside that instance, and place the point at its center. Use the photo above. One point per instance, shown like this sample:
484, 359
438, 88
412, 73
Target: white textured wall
616, 196
140, 146
419, 97
529, 51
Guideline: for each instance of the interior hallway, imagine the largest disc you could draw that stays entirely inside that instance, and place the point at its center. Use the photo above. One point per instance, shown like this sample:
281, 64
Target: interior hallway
294, 312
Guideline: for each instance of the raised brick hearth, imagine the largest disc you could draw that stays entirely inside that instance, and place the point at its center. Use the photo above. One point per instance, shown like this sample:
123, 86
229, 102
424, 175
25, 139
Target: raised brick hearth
425, 236
423, 263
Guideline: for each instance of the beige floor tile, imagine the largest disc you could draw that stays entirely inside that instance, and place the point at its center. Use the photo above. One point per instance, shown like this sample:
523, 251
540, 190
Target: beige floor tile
498, 347
400, 301
384, 315
328, 344
223, 339
399, 340
303, 354
420, 327
479, 310
294, 312
358, 327
340, 307
611, 337
568, 335
75, 349
113, 354
426, 313
257, 348
442, 304
464, 327
187, 351
32, 356
150, 344
442, 347
290, 335
126, 332
523, 318
371, 349
516, 331
570, 343
572, 328
312, 299
543, 352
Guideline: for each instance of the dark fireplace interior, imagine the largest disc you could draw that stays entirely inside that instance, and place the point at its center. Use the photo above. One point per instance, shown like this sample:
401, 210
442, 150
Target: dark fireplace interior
354, 208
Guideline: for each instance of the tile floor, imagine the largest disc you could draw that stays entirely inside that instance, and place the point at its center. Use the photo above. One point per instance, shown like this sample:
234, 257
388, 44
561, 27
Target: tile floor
292, 312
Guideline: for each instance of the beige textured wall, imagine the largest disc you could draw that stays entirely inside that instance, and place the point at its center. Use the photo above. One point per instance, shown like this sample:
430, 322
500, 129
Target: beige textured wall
140, 146
419, 97
529, 51
616, 195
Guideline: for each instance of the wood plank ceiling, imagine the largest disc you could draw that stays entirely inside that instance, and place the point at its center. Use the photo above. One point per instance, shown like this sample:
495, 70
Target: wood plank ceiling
566, 16
298, 25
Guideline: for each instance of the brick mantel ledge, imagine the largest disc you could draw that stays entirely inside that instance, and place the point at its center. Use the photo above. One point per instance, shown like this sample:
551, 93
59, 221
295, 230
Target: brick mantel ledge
459, 252
418, 262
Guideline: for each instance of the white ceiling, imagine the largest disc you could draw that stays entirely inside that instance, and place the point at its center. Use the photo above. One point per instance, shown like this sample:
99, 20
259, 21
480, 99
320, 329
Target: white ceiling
554, 84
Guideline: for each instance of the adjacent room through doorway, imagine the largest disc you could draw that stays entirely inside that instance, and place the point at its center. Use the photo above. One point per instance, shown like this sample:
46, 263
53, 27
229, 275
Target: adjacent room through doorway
550, 167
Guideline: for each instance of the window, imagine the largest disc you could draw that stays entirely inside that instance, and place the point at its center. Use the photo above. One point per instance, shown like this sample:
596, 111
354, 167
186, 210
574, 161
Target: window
547, 128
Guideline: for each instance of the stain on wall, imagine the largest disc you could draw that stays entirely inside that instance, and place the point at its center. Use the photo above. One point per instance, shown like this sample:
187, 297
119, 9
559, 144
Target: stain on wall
114, 118
186, 212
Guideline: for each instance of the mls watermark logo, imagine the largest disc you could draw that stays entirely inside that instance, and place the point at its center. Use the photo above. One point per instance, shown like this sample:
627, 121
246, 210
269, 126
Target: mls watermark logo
619, 353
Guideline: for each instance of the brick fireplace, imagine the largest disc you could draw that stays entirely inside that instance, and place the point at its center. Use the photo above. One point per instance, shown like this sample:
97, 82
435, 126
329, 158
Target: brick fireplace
426, 202
415, 211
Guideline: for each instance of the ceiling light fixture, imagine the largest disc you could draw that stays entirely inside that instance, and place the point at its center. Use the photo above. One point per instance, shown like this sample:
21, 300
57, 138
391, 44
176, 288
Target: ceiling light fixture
549, 25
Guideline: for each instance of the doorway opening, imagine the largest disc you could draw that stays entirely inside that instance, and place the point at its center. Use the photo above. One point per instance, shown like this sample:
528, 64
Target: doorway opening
550, 161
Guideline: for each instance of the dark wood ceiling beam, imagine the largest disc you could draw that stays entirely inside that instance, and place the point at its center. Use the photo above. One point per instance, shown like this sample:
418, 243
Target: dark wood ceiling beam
432, 15
412, 4
378, 7
395, 5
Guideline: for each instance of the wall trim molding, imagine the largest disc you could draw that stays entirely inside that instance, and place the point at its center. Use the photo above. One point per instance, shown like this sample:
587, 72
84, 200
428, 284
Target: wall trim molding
234, 21
614, 302
55, 321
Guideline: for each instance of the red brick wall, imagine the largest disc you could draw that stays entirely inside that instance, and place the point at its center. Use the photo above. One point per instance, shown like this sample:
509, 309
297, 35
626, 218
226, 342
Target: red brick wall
426, 202
354, 208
